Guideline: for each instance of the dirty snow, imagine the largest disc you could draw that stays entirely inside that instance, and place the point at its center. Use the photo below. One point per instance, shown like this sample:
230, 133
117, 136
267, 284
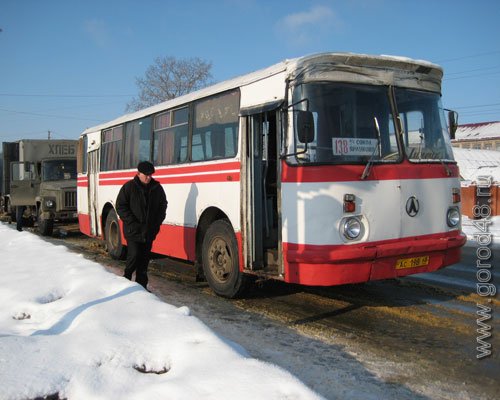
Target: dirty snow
68, 326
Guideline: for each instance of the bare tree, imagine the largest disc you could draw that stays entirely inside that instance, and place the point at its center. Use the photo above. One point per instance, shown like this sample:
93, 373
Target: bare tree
168, 78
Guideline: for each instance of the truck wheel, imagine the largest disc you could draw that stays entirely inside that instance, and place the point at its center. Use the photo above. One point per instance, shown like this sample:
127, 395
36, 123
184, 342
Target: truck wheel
220, 259
45, 226
114, 244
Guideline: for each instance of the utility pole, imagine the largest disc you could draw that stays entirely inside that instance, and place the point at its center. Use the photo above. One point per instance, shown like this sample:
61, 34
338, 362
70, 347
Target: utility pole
49, 135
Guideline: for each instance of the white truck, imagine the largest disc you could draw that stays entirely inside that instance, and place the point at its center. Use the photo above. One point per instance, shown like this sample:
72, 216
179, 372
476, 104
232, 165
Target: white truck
40, 175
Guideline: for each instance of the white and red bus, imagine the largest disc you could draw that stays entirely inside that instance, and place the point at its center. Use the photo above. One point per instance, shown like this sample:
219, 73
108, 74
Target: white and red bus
324, 170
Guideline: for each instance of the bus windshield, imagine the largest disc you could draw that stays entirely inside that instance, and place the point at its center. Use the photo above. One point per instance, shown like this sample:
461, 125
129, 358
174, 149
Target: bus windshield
354, 124
425, 131
58, 170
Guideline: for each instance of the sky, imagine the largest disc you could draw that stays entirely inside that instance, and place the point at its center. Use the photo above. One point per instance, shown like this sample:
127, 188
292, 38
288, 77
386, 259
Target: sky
70, 327
68, 65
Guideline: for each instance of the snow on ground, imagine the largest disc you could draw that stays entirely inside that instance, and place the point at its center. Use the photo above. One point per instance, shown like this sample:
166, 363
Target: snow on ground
68, 326
474, 229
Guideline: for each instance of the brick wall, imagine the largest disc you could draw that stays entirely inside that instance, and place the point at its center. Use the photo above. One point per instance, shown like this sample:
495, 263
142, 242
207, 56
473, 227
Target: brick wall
470, 199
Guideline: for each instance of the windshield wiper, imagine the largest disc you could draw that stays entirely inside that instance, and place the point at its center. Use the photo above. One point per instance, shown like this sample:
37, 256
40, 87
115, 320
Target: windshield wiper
368, 168
446, 168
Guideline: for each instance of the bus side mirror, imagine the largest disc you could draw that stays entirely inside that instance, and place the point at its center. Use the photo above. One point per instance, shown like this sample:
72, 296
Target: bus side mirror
305, 126
452, 122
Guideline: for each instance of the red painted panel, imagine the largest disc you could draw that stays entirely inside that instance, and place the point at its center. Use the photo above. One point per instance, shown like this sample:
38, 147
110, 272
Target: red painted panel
184, 174
342, 264
176, 241
349, 173
84, 223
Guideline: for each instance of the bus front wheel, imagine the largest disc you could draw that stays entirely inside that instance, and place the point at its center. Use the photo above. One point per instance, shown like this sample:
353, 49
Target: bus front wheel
221, 261
114, 244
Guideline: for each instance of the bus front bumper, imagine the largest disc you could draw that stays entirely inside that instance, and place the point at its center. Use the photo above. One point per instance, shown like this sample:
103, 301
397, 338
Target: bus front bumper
343, 264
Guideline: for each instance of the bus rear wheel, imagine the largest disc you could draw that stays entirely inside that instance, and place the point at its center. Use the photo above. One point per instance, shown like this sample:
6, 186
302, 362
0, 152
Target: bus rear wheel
114, 244
220, 259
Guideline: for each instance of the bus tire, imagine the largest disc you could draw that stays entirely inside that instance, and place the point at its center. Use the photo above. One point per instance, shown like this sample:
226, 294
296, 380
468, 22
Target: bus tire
220, 260
112, 233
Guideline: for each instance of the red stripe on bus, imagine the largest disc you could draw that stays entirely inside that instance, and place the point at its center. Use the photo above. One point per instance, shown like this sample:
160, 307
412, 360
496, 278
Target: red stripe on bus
215, 177
349, 173
184, 174
177, 170
219, 177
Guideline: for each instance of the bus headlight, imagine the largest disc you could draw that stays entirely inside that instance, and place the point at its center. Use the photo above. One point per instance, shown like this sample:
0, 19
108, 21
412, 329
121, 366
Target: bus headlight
453, 217
351, 228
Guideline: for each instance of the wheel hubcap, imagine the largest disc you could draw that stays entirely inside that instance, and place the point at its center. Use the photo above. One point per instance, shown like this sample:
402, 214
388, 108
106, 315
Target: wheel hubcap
220, 260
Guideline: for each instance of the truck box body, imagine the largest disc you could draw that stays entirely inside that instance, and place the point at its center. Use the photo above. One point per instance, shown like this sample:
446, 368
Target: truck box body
37, 150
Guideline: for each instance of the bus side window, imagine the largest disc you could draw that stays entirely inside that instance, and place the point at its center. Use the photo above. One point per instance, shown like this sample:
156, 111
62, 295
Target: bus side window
198, 147
170, 137
111, 149
137, 142
215, 127
81, 156
218, 144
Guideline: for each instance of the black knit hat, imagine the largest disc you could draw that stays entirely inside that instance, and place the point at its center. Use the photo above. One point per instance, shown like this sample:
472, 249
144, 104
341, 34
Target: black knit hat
146, 168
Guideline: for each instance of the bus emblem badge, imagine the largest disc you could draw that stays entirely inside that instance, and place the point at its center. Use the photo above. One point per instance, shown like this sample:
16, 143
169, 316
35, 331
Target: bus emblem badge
412, 206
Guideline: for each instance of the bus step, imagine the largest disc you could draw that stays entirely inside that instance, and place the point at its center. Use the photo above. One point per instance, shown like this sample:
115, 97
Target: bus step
271, 258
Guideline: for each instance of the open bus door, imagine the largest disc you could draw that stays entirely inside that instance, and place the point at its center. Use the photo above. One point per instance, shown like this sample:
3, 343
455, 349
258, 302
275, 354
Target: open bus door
89, 165
261, 192
93, 175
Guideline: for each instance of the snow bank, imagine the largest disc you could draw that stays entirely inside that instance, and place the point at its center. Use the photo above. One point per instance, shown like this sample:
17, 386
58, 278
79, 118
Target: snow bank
68, 326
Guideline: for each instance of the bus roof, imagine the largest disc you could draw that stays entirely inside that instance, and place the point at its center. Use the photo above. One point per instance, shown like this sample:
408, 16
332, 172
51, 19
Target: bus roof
344, 67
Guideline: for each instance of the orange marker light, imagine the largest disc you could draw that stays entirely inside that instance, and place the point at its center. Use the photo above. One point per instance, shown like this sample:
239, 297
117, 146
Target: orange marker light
349, 203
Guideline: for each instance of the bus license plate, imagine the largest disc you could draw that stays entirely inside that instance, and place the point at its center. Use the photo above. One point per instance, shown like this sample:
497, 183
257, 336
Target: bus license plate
413, 262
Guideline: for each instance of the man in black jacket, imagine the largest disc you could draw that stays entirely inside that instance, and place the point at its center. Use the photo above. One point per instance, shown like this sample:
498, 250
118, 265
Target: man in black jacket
141, 205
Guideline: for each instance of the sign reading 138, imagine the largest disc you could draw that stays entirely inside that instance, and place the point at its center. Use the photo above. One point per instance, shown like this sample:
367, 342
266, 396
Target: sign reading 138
353, 146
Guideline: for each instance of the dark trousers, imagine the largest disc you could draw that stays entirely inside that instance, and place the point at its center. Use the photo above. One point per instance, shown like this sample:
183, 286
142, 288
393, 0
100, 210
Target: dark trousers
138, 255
19, 217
